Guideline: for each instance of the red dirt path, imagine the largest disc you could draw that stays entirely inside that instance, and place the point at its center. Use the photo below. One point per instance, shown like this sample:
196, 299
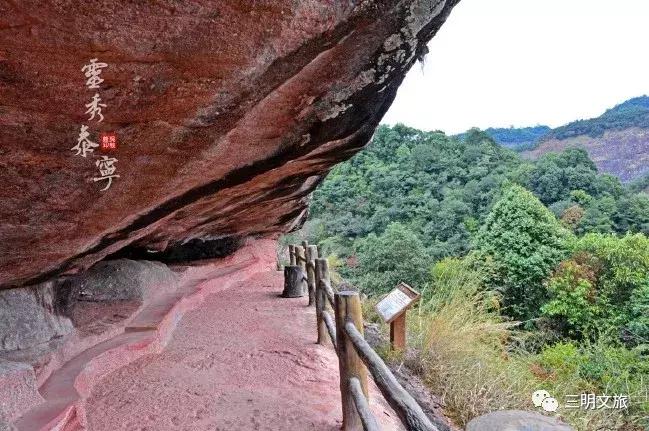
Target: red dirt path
245, 360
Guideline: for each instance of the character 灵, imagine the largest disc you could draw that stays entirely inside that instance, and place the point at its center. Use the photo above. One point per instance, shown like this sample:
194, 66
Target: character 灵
92, 71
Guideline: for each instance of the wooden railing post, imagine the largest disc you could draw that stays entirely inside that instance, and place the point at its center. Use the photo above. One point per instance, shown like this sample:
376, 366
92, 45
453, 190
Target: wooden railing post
348, 309
321, 275
311, 256
300, 258
291, 254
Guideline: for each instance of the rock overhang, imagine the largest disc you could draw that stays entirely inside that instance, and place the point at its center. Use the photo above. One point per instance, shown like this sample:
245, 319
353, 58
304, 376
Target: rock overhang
228, 116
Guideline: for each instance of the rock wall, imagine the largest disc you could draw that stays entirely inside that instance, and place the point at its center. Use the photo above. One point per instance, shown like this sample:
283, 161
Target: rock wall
32, 317
227, 115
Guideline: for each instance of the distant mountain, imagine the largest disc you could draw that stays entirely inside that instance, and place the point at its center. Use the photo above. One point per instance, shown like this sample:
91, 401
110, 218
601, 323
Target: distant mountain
516, 138
617, 140
634, 113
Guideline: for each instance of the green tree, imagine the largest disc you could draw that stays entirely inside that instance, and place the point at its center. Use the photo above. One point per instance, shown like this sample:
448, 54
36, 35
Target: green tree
396, 255
633, 214
525, 242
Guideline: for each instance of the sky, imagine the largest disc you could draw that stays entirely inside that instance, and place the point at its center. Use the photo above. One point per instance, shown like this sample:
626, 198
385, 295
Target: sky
502, 63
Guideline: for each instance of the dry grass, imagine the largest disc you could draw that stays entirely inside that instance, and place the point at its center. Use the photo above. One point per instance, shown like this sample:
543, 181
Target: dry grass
460, 340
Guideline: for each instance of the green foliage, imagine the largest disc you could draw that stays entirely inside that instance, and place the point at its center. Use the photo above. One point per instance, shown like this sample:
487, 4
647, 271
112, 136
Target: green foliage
459, 339
598, 367
633, 214
563, 359
556, 175
466, 353
442, 188
640, 185
614, 368
515, 138
603, 289
394, 256
573, 298
435, 185
526, 242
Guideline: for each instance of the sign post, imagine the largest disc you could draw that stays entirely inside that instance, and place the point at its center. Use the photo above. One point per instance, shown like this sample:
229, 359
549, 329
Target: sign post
392, 309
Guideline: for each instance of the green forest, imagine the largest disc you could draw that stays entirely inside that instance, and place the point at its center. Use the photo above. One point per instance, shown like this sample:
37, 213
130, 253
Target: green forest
631, 113
534, 273
516, 138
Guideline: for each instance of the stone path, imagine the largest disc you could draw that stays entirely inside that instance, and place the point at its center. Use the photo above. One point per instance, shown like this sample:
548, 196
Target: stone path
244, 360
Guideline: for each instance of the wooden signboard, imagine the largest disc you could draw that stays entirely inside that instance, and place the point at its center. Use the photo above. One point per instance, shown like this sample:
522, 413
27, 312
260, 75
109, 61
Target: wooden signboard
396, 302
392, 309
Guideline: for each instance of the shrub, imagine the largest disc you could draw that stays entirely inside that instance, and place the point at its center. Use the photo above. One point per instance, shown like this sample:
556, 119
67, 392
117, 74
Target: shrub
525, 242
603, 289
562, 360
574, 298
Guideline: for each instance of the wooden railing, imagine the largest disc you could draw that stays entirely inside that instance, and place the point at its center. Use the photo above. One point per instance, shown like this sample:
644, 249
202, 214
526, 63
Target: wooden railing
355, 356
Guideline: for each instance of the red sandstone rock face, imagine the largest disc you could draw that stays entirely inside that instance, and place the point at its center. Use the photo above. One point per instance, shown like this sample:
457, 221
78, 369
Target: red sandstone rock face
228, 114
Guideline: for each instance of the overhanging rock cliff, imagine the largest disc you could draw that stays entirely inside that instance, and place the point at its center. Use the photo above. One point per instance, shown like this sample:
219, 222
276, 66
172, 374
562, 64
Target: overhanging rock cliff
227, 115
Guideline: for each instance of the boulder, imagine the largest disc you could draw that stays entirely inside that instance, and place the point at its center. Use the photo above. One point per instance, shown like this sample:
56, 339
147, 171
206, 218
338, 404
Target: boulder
33, 315
123, 280
516, 420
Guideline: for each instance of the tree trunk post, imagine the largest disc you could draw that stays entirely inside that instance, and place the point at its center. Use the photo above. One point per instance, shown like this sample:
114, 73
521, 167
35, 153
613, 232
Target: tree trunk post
291, 254
311, 256
321, 275
348, 308
294, 282
300, 258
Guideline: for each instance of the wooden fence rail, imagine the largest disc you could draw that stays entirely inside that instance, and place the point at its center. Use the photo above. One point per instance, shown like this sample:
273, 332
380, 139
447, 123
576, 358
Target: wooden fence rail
355, 355
330, 325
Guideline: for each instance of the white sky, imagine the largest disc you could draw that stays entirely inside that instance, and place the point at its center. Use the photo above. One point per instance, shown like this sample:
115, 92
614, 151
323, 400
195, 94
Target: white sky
527, 62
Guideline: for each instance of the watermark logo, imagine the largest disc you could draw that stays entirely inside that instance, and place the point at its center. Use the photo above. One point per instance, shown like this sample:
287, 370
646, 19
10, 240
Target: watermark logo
586, 401
590, 401
543, 399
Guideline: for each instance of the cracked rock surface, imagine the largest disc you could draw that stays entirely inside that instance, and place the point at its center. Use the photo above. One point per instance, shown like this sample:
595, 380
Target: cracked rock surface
227, 115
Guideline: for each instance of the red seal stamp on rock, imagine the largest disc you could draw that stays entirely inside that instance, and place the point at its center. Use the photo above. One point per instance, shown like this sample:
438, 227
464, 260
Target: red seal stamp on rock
108, 141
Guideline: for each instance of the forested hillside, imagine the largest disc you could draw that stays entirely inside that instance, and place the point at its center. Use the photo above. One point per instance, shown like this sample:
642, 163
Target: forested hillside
631, 113
617, 141
620, 152
493, 239
516, 138
442, 189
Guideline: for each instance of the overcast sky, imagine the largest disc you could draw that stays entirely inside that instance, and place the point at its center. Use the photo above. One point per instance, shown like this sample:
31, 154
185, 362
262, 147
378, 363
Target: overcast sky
527, 62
